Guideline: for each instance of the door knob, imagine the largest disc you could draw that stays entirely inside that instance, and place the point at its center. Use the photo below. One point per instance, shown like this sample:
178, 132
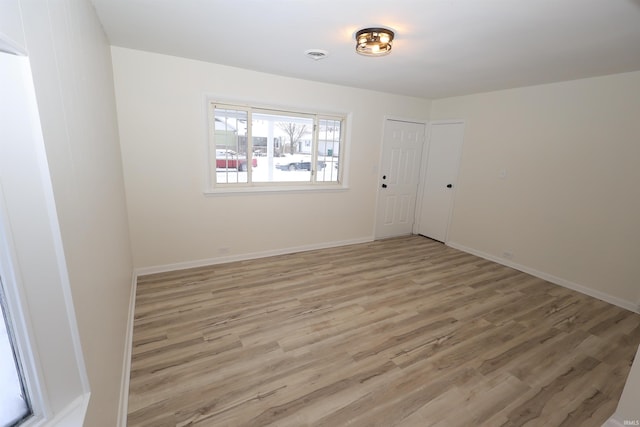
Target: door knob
449, 185
384, 185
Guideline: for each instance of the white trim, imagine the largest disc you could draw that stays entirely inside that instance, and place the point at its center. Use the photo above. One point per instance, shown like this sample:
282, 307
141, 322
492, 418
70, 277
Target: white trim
31, 269
123, 405
284, 188
20, 320
448, 122
213, 188
54, 225
259, 103
627, 305
72, 415
248, 256
58, 247
56, 237
417, 211
405, 119
346, 152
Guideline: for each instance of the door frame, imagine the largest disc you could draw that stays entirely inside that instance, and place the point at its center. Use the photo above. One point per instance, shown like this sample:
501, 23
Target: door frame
378, 168
423, 174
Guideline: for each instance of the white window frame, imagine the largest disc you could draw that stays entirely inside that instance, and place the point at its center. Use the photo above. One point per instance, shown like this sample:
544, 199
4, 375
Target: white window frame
213, 188
32, 260
19, 323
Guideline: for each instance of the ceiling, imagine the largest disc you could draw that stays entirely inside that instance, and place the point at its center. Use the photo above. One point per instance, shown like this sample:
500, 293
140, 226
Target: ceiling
442, 48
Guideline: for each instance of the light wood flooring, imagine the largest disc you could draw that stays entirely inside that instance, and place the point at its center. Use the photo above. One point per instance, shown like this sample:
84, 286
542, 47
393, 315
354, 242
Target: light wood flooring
400, 332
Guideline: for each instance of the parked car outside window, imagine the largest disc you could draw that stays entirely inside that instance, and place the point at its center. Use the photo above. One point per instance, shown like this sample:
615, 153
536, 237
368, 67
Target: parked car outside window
229, 159
300, 166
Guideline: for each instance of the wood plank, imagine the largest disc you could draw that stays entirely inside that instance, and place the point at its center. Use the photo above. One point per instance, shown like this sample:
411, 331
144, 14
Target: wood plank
399, 332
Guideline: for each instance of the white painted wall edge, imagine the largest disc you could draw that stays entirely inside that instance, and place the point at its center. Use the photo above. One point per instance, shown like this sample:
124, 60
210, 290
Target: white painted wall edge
627, 305
123, 405
247, 256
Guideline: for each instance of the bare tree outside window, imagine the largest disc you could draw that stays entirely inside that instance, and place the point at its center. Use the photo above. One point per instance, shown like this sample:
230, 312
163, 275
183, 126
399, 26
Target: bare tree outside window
295, 132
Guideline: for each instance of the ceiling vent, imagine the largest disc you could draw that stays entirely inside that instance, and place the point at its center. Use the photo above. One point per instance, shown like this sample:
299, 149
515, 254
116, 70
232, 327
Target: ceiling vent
316, 54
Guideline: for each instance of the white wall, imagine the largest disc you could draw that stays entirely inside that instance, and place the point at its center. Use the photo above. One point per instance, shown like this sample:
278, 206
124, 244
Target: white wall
71, 64
569, 205
162, 124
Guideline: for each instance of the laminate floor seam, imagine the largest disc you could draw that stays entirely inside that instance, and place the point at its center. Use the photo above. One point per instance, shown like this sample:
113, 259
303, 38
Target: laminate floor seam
398, 332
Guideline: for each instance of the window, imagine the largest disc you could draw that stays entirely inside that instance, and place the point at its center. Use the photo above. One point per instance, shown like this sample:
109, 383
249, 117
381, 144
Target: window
257, 147
14, 401
41, 351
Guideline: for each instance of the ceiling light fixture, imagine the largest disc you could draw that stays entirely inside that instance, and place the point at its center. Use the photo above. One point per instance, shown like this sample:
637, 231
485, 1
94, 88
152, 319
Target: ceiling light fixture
374, 41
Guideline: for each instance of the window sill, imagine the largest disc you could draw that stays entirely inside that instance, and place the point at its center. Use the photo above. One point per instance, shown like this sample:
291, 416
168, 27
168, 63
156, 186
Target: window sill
280, 189
72, 415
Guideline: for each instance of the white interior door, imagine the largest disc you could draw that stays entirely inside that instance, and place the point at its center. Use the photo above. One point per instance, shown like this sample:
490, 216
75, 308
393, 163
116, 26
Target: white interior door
443, 161
399, 178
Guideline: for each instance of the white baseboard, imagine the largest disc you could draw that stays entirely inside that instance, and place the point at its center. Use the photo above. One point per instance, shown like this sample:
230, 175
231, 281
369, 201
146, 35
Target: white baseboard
627, 305
123, 405
247, 256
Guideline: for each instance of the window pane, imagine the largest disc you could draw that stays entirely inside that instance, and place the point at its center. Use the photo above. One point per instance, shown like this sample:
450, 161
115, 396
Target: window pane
329, 136
14, 404
230, 146
285, 147
251, 147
